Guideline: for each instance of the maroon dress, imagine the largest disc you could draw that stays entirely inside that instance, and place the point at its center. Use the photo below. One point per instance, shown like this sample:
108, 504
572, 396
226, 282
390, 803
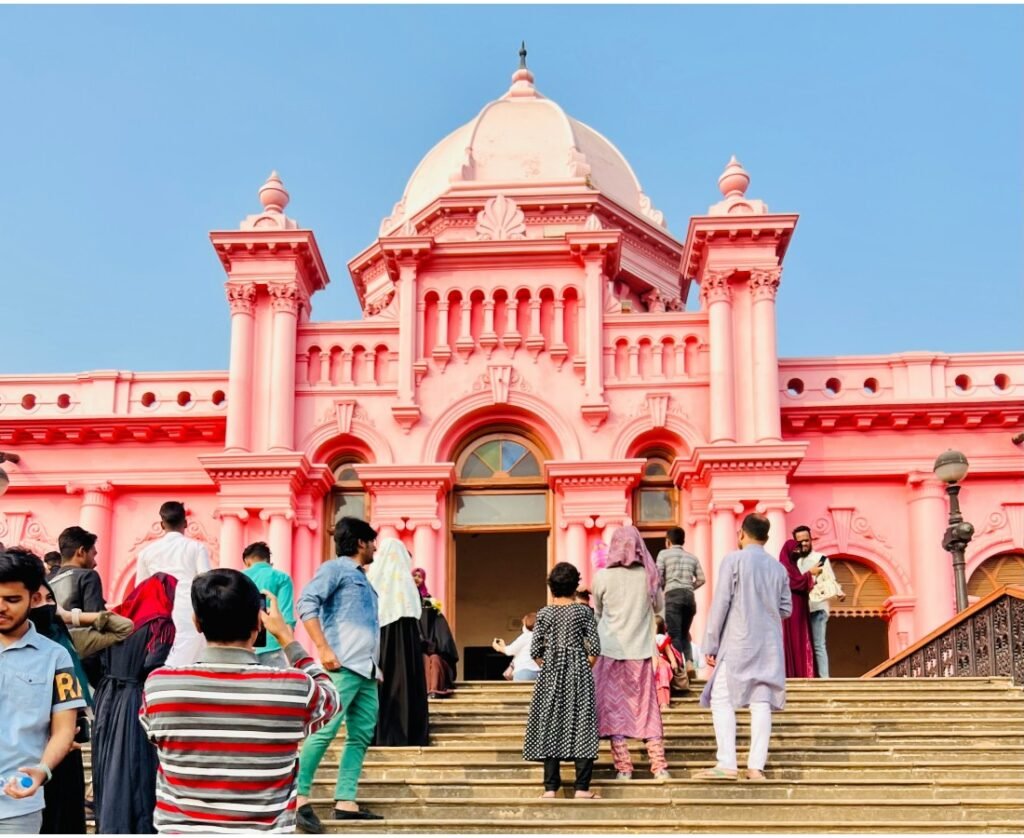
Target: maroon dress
796, 628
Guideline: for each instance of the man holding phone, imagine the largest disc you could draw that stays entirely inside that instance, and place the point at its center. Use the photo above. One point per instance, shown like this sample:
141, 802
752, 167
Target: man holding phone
256, 558
229, 752
826, 587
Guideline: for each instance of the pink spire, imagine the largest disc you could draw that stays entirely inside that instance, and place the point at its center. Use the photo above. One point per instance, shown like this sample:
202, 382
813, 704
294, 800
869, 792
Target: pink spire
522, 78
273, 195
733, 182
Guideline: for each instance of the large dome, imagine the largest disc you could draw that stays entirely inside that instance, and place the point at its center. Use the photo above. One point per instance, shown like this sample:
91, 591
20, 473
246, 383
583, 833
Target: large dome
522, 141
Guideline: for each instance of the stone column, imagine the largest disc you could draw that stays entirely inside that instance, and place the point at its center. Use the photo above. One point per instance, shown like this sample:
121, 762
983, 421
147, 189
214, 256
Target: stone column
576, 550
424, 549
932, 568
593, 290
304, 555
96, 517
723, 533
698, 542
717, 300
232, 534
511, 339
387, 530
634, 363
286, 300
279, 537
407, 333
764, 285
775, 512
347, 359
238, 434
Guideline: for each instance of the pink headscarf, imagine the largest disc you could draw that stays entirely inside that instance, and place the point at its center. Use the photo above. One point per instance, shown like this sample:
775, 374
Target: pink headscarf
423, 585
599, 556
628, 549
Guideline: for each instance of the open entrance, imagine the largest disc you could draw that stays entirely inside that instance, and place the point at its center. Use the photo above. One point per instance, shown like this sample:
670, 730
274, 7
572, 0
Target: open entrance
499, 561
858, 631
499, 577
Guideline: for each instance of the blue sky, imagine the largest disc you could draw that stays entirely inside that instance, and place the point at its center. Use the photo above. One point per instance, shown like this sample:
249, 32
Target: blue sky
130, 132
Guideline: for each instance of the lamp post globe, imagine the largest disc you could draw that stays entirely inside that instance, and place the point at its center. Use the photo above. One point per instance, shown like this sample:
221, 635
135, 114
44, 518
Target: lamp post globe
951, 466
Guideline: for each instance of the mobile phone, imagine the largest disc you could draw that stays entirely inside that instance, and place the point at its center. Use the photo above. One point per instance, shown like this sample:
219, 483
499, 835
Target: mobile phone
821, 561
265, 602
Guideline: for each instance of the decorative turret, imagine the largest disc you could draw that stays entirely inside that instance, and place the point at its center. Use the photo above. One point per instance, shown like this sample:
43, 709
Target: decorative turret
733, 183
274, 198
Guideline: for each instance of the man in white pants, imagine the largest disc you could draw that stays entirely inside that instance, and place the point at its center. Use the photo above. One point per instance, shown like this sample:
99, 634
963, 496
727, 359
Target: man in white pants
743, 645
183, 558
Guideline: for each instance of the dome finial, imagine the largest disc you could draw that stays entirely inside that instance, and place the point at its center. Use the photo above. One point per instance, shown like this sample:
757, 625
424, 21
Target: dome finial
522, 78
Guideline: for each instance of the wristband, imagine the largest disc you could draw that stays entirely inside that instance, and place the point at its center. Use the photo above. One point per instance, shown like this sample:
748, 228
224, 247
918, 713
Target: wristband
46, 770
76, 617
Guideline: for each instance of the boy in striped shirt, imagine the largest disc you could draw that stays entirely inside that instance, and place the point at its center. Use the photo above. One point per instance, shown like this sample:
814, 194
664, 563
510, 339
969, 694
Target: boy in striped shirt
227, 729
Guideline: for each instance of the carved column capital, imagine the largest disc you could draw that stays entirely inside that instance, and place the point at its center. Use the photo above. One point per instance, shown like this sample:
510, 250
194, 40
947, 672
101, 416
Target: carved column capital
714, 287
241, 297
764, 283
285, 296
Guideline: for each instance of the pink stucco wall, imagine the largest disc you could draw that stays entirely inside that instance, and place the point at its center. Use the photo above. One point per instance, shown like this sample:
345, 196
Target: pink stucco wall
600, 356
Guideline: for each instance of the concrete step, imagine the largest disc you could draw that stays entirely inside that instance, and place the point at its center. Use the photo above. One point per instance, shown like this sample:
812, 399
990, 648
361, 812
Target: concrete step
682, 789
679, 810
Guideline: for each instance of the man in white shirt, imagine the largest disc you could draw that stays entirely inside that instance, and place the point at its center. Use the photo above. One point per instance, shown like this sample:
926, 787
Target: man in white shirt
825, 588
184, 559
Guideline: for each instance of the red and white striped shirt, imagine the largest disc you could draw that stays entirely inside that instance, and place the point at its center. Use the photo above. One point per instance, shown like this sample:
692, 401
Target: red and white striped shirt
227, 732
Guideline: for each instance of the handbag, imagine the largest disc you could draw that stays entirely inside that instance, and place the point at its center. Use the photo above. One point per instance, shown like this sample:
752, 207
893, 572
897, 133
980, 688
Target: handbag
680, 681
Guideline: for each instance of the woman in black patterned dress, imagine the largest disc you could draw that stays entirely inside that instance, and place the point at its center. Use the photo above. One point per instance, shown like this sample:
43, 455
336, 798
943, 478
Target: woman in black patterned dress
563, 714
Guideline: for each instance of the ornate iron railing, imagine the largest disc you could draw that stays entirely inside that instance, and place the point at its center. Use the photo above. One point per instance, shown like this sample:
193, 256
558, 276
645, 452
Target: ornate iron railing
985, 640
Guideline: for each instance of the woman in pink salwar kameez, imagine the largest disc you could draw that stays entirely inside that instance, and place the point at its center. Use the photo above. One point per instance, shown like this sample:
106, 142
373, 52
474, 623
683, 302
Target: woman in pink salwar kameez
796, 628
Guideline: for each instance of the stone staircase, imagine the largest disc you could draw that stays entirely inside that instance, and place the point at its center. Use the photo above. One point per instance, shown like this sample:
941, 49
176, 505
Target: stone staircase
847, 755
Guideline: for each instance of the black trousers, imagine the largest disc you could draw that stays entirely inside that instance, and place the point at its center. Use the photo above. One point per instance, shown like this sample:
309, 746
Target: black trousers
553, 774
680, 607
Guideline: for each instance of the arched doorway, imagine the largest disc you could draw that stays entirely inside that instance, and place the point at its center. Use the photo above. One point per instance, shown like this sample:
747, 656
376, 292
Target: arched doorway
499, 557
347, 498
858, 629
996, 571
656, 499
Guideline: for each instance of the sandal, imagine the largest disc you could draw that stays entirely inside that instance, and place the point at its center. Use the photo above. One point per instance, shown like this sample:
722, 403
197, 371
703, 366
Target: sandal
586, 795
715, 773
754, 776
549, 795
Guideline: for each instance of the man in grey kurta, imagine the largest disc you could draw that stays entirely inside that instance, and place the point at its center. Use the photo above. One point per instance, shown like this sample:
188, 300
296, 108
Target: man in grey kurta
743, 645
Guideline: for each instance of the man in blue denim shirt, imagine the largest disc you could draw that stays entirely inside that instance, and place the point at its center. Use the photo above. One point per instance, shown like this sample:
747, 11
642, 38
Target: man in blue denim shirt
339, 610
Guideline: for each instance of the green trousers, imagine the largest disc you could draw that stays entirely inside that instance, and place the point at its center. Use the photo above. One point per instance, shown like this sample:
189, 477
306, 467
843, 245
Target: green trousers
359, 702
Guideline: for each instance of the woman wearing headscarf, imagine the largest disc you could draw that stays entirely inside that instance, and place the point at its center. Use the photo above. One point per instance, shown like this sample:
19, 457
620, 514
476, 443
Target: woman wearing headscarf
440, 654
796, 628
124, 762
627, 595
403, 716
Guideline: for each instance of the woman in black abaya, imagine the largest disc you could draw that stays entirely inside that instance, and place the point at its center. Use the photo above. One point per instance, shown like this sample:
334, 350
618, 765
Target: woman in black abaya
124, 762
403, 716
440, 652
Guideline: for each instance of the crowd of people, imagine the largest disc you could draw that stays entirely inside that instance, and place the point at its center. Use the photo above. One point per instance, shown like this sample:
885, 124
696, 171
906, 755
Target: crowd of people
205, 713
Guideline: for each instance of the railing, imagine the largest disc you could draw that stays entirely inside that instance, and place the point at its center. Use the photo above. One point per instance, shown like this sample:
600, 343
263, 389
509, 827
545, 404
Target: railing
985, 640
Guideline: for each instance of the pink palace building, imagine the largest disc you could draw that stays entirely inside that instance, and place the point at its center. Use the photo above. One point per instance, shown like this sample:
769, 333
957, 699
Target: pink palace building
539, 360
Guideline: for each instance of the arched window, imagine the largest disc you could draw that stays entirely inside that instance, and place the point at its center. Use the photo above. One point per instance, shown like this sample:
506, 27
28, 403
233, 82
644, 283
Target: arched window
993, 573
655, 499
348, 497
499, 482
865, 589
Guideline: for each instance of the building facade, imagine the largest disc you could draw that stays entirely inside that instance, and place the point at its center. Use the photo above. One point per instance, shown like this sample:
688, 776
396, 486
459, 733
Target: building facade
539, 361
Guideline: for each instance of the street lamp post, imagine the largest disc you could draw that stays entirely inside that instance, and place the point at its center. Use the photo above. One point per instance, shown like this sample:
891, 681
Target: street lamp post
951, 468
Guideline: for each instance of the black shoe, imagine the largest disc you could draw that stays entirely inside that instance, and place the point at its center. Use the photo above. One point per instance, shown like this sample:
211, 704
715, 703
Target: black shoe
361, 815
307, 821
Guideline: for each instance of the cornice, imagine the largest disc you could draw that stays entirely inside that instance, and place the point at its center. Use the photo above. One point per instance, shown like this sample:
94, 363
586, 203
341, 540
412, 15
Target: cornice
243, 468
114, 429
704, 231
249, 245
900, 468
778, 457
899, 416
608, 473
435, 478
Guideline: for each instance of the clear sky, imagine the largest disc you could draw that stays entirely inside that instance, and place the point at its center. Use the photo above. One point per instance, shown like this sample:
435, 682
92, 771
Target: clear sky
127, 133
